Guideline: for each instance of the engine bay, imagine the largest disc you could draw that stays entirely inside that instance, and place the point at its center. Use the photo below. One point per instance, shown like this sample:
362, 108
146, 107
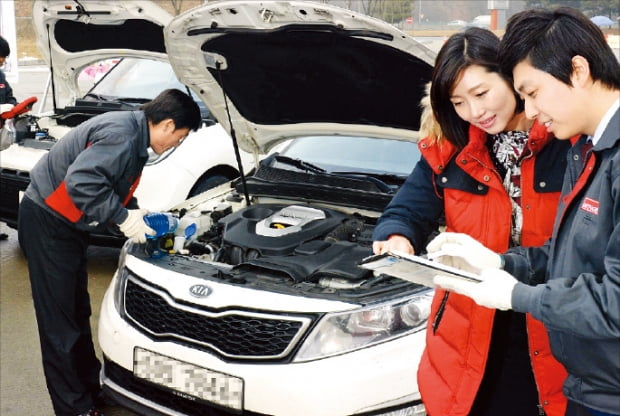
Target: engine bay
288, 248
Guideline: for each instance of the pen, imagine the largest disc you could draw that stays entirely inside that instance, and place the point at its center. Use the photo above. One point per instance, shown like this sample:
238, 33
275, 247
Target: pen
439, 314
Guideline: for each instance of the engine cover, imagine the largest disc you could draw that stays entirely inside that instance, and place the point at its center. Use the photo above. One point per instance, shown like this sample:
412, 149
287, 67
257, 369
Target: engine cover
277, 229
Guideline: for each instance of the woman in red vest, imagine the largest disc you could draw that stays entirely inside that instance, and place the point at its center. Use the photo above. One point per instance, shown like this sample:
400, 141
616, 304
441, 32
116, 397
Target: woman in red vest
495, 175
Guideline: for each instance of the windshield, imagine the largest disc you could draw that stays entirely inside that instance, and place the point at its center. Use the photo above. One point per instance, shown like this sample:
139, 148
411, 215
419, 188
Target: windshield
137, 78
355, 154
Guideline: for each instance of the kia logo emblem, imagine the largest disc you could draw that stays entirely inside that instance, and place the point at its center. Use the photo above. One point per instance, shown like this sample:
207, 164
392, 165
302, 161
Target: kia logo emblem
200, 291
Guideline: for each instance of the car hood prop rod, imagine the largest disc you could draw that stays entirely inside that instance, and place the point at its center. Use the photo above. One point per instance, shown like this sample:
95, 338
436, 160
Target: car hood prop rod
49, 44
233, 135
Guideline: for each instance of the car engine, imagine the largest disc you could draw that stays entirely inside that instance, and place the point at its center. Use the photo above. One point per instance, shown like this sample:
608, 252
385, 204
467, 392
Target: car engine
291, 247
300, 242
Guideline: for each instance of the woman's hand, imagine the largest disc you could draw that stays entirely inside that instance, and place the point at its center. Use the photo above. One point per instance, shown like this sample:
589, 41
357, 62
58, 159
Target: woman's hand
394, 242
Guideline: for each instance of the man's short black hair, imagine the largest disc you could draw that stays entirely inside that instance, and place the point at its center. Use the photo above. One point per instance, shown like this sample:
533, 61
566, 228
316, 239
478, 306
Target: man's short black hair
5, 49
549, 39
174, 104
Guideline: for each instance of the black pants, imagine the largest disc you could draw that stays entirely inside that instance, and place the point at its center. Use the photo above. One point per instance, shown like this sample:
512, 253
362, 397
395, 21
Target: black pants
56, 255
508, 387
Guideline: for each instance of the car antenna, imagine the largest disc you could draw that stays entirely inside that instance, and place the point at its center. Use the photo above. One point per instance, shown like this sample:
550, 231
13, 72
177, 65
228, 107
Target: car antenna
233, 135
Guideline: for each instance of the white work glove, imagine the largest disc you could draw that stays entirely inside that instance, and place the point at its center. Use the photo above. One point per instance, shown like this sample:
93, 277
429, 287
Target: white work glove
393, 243
463, 252
6, 107
134, 226
494, 291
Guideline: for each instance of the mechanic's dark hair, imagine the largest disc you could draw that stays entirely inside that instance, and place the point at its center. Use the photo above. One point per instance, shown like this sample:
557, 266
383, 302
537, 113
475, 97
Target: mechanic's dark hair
549, 39
5, 49
474, 46
174, 104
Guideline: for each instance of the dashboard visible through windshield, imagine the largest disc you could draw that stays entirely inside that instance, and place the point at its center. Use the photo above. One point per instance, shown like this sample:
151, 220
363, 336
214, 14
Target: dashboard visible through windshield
355, 154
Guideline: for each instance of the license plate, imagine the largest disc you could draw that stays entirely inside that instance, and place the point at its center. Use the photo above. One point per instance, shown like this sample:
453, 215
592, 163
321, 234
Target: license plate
188, 379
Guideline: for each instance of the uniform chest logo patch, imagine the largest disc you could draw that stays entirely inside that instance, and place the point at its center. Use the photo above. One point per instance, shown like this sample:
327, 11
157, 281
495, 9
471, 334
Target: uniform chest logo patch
590, 205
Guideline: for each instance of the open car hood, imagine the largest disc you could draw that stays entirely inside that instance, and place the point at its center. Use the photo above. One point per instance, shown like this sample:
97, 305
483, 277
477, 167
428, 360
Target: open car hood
293, 68
71, 35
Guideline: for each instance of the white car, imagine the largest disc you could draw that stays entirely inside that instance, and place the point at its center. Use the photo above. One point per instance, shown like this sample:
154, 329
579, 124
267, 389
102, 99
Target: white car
265, 310
483, 21
458, 23
72, 40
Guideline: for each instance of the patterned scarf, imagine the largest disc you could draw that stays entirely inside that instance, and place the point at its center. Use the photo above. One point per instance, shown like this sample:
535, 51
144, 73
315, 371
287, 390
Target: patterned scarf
508, 150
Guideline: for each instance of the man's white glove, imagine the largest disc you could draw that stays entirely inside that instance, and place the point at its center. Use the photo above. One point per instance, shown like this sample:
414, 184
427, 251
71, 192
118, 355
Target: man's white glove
134, 226
6, 107
494, 291
463, 252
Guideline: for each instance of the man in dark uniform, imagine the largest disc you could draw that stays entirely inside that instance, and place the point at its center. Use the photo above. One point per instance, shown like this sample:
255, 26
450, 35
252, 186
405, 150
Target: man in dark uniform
569, 79
7, 101
85, 183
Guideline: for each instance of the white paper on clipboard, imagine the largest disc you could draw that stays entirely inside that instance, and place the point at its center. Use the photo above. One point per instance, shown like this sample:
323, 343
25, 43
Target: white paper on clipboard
412, 268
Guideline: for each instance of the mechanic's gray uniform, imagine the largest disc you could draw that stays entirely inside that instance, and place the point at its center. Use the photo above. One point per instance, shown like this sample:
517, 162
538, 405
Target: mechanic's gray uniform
580, 302
99, 162
81, 185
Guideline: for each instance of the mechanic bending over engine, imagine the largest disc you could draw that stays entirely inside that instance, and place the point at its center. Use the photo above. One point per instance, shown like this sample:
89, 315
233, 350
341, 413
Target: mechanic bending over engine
570, 80
84, 183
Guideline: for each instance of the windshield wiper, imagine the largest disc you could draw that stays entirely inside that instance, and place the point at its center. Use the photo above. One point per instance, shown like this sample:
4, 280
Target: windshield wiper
309, 167
376, 178
382, 176
132, 100
97, 96
299, 164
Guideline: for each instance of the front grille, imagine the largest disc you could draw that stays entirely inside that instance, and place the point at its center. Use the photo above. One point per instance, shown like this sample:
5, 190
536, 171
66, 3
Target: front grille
161, 396
235, 334
11, 183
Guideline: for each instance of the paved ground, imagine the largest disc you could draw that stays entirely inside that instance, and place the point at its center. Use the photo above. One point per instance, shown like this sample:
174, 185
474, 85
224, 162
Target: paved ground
22, 385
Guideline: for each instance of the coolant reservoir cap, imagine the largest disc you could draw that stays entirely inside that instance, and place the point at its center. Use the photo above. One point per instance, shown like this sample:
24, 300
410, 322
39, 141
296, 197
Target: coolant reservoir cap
190, 230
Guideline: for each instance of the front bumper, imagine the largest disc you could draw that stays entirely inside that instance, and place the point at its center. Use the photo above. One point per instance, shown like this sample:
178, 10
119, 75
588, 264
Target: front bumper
368, 380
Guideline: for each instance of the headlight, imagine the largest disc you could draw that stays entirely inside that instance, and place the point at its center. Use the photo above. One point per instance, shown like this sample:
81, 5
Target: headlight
120, 277
342, 332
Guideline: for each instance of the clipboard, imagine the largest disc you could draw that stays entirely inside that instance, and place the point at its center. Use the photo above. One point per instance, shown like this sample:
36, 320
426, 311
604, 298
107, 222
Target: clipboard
413, 268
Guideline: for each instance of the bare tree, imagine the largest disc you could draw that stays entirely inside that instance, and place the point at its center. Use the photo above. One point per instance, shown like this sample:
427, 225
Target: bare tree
369, 6
176, 5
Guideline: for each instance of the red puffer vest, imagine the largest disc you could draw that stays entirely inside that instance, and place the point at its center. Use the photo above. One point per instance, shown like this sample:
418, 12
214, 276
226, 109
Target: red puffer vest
453, 363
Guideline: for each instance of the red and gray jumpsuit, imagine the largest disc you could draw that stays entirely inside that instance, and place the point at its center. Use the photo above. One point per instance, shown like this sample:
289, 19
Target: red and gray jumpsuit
83, 184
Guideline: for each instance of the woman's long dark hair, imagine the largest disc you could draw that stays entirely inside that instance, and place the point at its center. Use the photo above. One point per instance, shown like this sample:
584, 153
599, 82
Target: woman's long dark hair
474, 46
